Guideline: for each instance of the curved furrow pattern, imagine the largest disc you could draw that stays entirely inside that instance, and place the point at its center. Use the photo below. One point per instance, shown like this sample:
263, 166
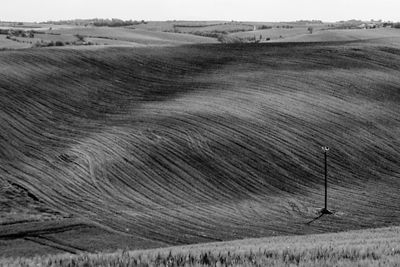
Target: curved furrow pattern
205, 142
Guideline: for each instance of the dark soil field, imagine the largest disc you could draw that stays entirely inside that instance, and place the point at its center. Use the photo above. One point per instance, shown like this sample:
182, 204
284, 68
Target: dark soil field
157, 146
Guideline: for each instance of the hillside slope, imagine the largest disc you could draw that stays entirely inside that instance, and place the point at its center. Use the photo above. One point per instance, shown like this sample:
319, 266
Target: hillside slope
79, 36
133, 36
206, 142
382, 34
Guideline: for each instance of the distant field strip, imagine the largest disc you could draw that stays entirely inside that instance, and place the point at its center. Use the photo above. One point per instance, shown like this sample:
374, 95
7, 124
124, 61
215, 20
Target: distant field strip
136, 36
206, 142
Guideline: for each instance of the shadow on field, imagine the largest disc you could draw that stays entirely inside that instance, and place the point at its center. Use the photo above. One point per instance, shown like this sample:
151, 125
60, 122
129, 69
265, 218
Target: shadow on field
321, 214
316, 218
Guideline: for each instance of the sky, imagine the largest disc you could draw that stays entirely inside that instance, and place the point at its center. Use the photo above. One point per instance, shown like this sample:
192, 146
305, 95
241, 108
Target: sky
239, 10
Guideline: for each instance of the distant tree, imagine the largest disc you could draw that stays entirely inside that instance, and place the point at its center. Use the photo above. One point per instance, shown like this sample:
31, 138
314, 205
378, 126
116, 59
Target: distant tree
264, 27
310, 29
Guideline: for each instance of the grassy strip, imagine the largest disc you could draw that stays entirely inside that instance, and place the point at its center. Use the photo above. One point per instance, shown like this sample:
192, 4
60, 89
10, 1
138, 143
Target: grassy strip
372, 247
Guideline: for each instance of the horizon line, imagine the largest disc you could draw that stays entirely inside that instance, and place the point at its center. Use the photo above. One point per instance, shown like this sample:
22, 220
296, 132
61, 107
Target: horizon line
198, 20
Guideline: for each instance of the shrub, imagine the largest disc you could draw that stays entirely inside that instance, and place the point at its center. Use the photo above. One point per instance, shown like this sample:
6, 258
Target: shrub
396, 25
80, 38
226, 39
212, 34
264, 27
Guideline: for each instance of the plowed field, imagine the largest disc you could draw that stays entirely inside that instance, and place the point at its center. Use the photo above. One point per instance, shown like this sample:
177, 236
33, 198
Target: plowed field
203, 143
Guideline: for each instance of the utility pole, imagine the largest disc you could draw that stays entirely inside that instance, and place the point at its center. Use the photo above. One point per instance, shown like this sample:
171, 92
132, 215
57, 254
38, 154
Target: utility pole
325, 209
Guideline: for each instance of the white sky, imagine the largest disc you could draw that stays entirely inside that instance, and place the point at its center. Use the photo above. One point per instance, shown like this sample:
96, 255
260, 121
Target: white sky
241, 10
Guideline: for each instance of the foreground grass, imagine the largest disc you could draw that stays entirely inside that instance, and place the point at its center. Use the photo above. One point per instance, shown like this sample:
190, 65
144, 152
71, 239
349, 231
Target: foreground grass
372, 247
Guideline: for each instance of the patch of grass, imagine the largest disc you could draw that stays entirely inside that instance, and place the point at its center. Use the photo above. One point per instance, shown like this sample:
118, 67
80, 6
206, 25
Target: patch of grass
133, 35
375, 247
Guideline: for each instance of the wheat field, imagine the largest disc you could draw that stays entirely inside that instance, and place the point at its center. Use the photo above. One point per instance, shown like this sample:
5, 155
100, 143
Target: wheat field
372, 247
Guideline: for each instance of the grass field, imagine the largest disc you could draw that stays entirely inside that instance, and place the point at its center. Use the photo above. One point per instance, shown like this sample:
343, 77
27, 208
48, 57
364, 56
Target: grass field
197, 143
161, 33
344, 35
373, 247
135, 35
10, 44
115, 36
280, 32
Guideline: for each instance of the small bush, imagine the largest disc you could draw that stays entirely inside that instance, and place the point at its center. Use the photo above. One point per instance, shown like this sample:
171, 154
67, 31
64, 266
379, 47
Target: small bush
264, 27
80, 38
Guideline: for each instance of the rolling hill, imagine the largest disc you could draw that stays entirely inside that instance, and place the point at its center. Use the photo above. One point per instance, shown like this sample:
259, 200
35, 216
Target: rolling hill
7, 44
135, 36
380, 35
196, 143
99, 36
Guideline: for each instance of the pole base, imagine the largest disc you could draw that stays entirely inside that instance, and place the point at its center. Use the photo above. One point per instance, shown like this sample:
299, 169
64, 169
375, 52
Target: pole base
326, 211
